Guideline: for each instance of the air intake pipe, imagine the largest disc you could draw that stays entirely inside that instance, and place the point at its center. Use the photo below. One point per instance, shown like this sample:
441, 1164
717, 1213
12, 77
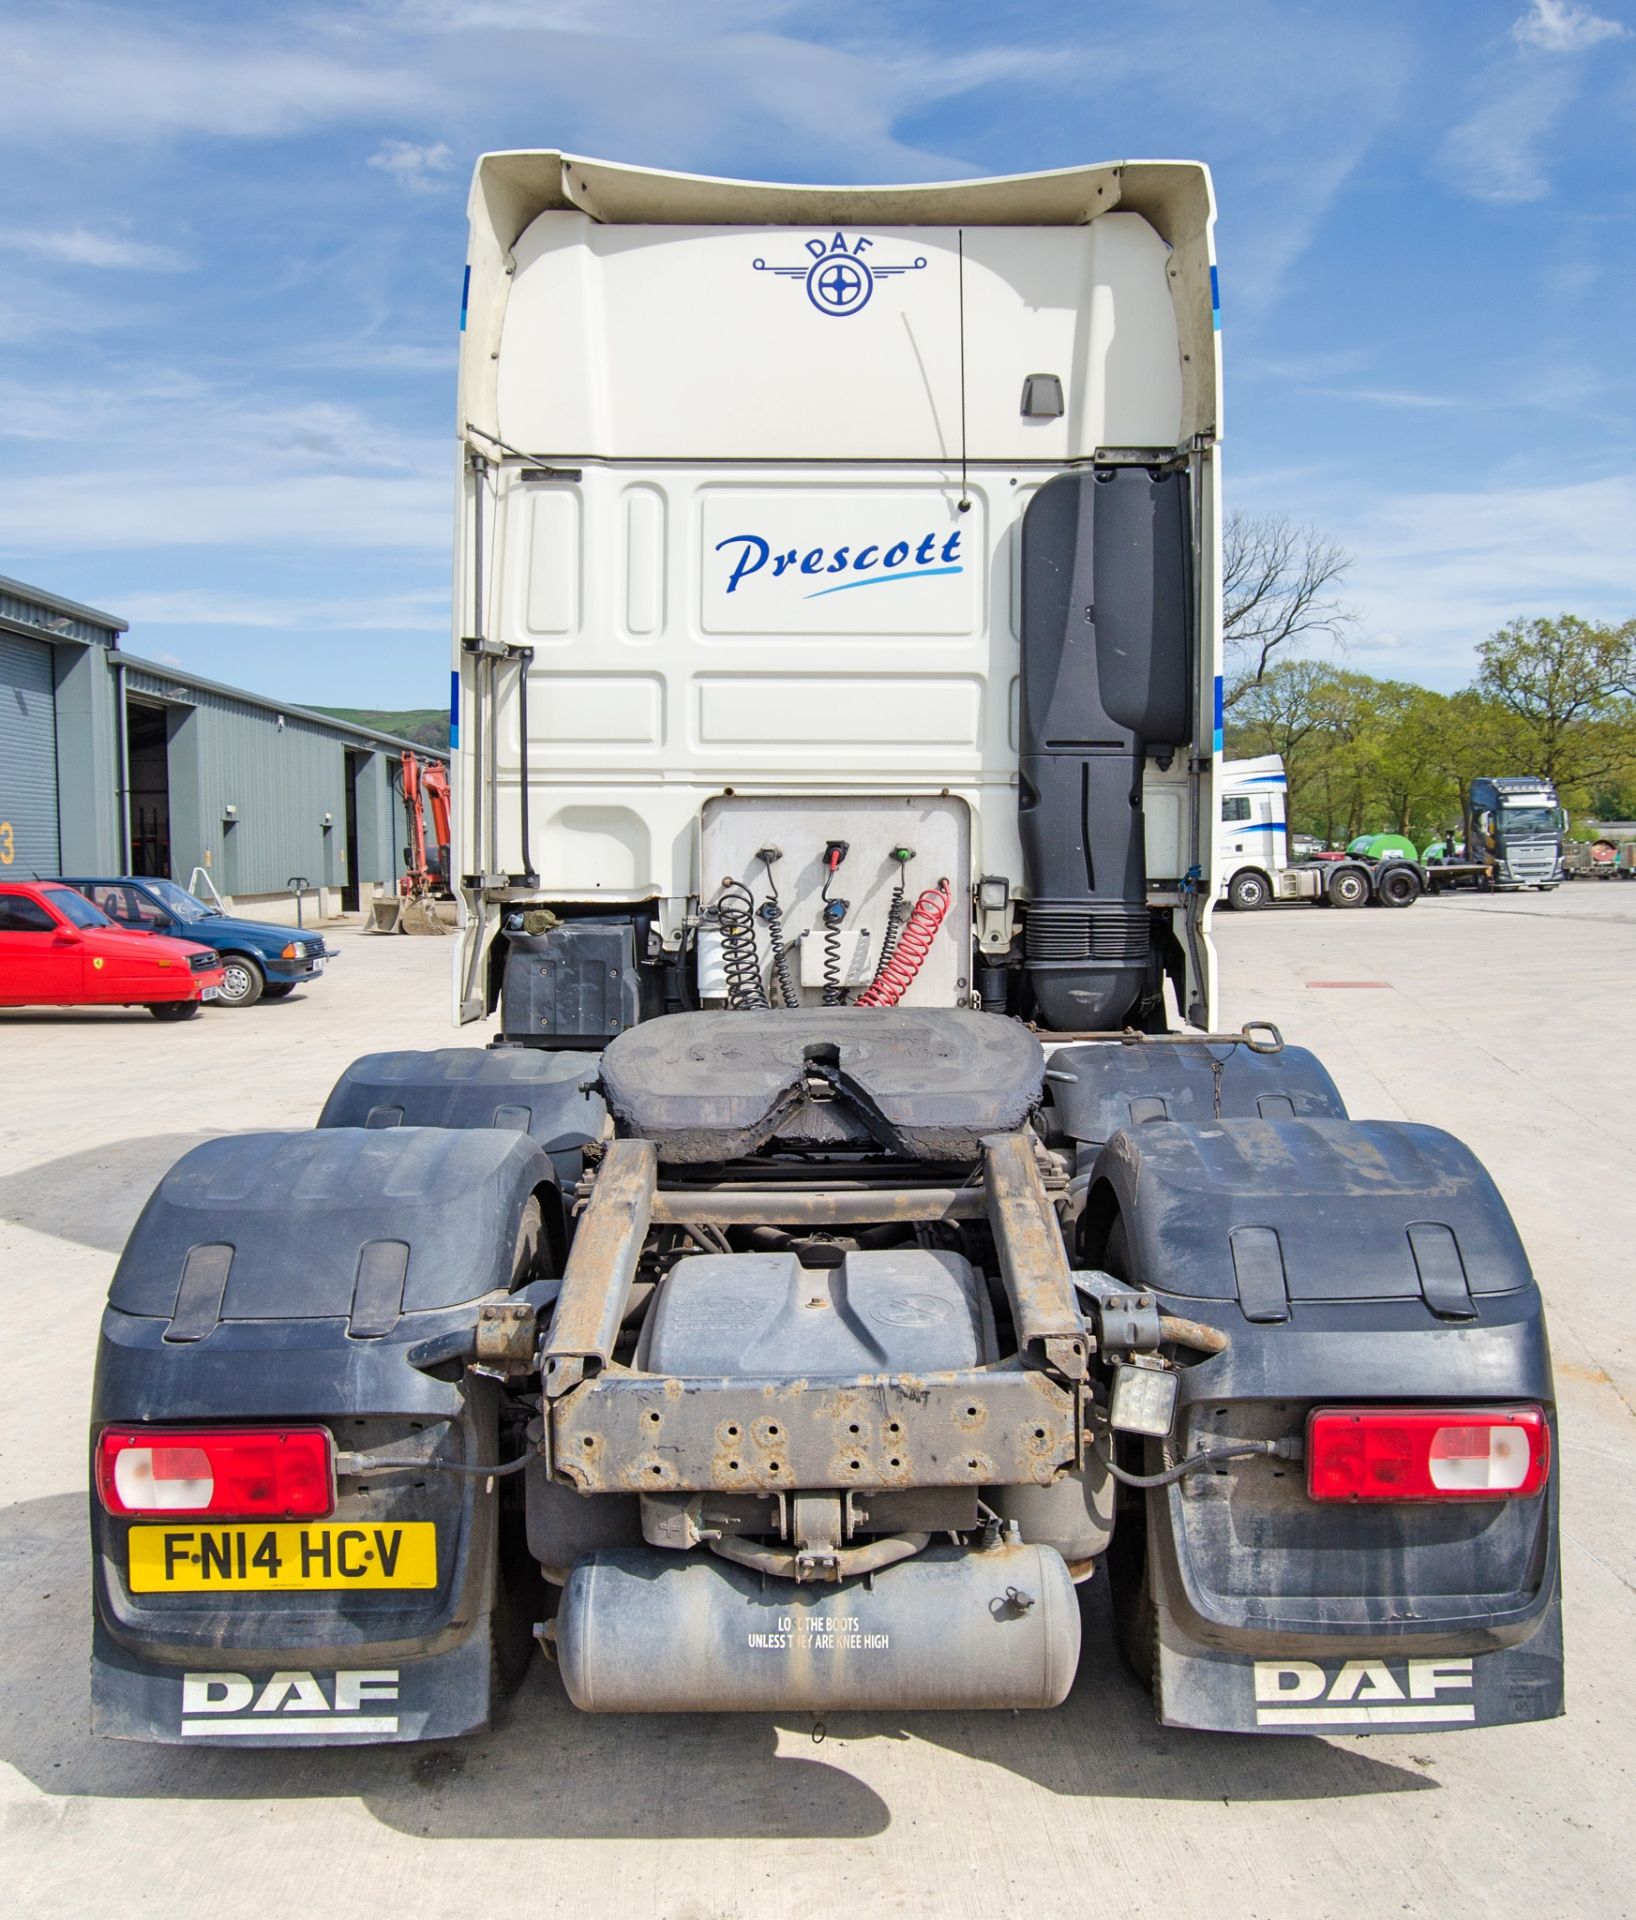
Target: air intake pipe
1107, 650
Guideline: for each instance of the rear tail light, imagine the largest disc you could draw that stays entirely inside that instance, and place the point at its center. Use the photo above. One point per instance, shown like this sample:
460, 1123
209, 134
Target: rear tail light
288, 1472
1427, 1453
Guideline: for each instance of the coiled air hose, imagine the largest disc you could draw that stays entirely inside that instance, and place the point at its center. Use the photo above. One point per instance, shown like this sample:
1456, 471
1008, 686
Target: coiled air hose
896, 912
736, 919
894, 977
834, 914
772, 913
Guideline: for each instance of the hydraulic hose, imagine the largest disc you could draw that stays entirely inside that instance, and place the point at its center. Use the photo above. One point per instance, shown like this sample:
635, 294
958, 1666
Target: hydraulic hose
362, 1464
1208, 1457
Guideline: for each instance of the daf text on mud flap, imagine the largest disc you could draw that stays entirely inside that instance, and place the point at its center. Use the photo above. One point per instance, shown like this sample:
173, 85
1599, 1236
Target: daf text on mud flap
1300, 1693
215, 1705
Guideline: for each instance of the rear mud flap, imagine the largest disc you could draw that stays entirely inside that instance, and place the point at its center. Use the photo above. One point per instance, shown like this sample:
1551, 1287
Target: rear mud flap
1398, 1689
320, 1706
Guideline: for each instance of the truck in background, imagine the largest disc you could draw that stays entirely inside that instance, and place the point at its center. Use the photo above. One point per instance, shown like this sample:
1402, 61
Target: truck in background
1515, 825
1511, 836
859, 1238
1254, 866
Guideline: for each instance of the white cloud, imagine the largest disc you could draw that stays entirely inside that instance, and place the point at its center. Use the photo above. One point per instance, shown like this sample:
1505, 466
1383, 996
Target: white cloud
1439, 571
1495, 153
1498, 151
426, 612
416, 169
82, 247
93, 73
175, 463
1558, 26
145, 506
1402, 397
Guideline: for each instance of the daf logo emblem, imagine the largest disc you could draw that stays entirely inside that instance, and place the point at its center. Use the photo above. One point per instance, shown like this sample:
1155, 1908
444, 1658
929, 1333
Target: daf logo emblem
839, 281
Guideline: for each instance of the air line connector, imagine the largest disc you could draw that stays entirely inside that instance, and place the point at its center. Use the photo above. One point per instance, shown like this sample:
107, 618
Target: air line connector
835, 911
835, 852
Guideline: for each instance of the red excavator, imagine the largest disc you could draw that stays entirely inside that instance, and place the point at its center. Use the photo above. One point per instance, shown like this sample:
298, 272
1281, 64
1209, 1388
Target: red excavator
424, 785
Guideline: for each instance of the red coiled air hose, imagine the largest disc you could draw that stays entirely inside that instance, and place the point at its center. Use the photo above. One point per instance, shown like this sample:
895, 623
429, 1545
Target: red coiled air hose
897, 972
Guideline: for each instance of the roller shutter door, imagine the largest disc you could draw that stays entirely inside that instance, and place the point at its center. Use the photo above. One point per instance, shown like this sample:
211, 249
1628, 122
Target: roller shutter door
28, 759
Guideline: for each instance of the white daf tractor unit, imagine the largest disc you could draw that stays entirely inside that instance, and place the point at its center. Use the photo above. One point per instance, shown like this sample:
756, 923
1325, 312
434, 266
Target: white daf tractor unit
1254, 862
856, 1239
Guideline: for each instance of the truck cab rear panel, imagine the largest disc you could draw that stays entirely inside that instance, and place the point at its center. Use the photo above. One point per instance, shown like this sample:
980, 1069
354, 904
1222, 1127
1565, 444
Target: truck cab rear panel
857, 1239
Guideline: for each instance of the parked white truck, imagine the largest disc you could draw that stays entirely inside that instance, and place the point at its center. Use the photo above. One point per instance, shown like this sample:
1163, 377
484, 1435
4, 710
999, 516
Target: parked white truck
856, 1239
1255, 865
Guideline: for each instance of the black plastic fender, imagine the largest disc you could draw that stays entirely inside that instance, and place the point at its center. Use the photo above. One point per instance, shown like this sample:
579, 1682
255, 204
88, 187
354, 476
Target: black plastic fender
1349, 1262
1096, 1090
316, 1277
1273, 1212
552, 1097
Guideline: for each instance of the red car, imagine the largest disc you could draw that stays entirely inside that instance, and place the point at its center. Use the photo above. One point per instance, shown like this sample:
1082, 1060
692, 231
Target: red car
57, 950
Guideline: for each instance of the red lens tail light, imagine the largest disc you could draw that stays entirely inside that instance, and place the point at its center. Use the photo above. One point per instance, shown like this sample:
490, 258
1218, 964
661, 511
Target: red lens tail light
1427, 1453
193, 1472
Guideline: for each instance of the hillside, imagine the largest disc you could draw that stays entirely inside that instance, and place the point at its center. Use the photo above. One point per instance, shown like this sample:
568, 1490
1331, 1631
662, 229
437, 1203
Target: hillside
427, 725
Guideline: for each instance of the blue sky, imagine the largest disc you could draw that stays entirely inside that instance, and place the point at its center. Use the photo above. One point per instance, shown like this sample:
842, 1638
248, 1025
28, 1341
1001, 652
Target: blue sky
233, 236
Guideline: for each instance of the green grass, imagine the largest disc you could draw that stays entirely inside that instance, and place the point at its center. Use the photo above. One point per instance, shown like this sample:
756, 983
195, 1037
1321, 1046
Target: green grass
429, 726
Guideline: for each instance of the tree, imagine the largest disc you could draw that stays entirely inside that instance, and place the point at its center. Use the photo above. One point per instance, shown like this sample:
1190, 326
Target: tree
1277, 586
1567, 686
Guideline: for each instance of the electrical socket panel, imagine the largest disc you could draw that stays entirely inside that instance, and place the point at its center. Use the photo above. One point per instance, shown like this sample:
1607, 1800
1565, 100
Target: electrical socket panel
735, 828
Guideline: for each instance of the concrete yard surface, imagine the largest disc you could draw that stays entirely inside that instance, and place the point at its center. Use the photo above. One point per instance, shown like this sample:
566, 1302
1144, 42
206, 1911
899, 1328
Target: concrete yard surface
1511, 1021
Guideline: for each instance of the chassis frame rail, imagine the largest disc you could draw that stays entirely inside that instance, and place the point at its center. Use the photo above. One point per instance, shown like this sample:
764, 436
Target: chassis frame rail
610, 1429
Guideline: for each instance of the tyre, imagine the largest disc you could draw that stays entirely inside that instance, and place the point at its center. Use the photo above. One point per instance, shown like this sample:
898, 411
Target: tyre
1135, 1618
525, 1258
1247, 891
243, 982
1399, 887
278, 990
1348, 887
519, 1596
175, 1010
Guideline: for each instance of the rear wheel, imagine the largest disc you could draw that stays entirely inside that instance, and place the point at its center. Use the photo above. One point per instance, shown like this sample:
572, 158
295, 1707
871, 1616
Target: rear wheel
1247, 891
525, 1259
519, 1592
1135, 1618
1349, 887
243, 982
1398, 887
175, 1010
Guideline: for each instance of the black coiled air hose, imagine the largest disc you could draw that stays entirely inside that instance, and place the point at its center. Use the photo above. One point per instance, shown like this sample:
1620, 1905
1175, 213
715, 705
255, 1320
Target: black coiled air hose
736, 919
772, 913
834, 991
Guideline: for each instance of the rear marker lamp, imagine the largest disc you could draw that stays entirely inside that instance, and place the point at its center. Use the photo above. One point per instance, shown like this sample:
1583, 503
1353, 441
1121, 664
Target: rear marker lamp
283, 1472
1427, 1453
1143, 1400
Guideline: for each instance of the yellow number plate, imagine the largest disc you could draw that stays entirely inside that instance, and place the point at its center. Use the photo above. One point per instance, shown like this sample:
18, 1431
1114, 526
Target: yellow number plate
245, 1559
